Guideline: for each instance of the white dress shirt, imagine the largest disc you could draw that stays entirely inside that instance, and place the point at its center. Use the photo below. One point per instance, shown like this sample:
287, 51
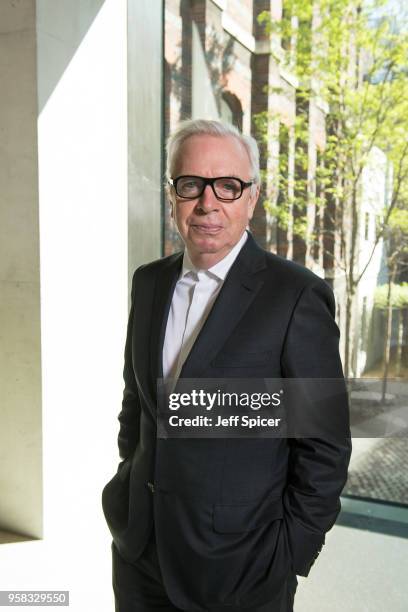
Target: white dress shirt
193, 298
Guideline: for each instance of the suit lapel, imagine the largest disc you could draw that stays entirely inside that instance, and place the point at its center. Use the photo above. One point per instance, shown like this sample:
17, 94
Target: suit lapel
237, 293
165, 283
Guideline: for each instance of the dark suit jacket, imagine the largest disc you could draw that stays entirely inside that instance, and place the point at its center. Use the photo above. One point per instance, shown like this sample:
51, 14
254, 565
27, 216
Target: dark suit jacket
233, 517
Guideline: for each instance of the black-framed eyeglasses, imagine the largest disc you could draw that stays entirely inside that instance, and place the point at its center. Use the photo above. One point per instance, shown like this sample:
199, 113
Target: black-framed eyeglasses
225, 188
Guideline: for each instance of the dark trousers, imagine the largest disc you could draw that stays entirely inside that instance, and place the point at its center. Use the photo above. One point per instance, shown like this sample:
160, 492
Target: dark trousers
139, 587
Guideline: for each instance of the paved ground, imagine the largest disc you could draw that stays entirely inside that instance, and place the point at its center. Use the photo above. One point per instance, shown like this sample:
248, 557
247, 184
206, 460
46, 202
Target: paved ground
381, 472
378, 469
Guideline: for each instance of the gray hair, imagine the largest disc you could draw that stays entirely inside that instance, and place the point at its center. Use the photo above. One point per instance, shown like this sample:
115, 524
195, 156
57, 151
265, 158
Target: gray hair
192, 127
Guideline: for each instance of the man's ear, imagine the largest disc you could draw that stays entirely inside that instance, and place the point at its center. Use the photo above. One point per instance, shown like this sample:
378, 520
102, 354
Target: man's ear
170, 198
253, 200
172, 205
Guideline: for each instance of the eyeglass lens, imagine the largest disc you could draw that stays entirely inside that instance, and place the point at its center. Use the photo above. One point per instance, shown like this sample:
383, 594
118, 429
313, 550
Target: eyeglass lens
225, 188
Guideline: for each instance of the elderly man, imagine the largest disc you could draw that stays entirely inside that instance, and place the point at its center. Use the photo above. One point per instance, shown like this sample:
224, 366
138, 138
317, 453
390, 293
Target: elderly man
205, 524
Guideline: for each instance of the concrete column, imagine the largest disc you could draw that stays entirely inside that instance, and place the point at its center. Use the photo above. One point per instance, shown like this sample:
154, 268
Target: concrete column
20, 334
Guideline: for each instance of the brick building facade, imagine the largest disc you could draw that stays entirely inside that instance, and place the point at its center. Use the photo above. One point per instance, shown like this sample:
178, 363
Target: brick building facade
220, 63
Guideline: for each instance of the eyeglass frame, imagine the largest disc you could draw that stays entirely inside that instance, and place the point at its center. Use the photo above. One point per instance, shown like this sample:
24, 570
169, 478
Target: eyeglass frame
210, 181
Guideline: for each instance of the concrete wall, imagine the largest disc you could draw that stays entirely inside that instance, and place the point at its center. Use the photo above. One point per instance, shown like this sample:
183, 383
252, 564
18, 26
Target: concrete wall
20, 357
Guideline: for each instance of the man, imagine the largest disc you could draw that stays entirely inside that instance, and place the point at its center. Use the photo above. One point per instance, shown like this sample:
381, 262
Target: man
209, 524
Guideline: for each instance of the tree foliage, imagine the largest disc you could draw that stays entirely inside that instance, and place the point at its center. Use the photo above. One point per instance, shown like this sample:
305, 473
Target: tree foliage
353, 56
399, 296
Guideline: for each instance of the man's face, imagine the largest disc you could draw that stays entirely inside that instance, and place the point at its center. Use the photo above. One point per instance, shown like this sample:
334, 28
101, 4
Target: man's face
210, 227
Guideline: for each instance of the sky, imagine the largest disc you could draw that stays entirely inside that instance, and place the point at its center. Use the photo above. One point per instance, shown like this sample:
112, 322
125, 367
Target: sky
397, 8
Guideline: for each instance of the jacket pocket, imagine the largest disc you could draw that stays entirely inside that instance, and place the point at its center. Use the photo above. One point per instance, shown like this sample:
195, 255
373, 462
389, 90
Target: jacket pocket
235, 518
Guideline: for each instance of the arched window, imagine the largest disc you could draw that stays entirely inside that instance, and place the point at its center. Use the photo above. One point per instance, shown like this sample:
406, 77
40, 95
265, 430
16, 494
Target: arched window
231, 109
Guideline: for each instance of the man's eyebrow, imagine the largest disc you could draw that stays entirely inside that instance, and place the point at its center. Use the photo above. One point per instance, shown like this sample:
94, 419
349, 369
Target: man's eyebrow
230, 175
225, 175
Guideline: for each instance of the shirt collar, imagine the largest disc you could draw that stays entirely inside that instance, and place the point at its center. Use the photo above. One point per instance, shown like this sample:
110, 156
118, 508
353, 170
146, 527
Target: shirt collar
220, 269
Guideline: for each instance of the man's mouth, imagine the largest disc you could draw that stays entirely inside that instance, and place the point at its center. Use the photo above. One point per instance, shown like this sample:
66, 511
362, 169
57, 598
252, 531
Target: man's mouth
205, 228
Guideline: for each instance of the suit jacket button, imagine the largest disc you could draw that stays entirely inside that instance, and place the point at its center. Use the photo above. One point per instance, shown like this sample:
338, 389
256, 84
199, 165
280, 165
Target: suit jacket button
151, 486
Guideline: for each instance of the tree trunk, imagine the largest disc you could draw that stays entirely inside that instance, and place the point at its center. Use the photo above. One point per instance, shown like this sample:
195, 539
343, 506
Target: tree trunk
348, 342
388, 332
398, 363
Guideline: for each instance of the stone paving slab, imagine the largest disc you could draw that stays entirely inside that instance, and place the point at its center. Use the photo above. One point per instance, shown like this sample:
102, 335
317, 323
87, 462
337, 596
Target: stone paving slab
381, 472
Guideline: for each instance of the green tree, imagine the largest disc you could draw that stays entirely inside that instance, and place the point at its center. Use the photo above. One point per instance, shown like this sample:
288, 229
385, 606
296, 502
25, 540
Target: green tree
351, 54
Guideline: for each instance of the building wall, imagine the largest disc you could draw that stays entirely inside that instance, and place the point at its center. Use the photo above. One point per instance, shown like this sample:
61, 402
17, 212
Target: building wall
369, 349
20, 330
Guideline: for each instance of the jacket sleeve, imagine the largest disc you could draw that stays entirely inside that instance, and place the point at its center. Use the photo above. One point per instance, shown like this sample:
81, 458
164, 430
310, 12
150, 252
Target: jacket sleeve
318, 466
129, 416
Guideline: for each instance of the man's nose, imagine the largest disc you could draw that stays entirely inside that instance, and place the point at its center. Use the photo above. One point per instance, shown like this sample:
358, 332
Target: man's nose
207, 201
